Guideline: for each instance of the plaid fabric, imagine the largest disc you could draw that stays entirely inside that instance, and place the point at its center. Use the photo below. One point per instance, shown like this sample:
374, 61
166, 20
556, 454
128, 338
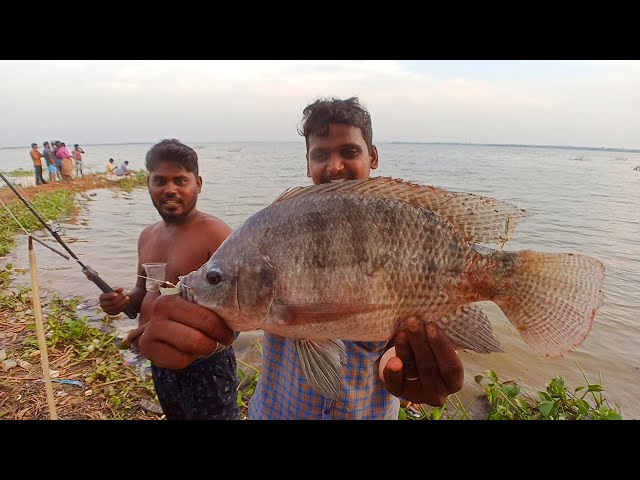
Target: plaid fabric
281, 396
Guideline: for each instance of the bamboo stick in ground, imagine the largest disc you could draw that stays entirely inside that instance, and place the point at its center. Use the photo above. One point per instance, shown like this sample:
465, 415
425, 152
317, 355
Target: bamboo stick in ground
42, 341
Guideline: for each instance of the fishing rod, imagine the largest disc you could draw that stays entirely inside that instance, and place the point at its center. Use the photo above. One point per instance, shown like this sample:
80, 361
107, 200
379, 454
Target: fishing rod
89, 272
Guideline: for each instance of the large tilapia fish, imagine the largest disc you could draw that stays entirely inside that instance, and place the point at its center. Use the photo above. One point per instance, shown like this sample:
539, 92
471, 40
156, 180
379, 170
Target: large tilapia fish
352, 260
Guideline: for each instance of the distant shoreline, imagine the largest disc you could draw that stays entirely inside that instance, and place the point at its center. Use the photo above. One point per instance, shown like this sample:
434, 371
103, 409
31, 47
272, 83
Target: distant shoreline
555, 147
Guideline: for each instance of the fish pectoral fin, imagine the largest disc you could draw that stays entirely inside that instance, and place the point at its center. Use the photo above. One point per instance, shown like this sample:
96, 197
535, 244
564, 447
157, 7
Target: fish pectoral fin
468, 327
321, 363
298, 314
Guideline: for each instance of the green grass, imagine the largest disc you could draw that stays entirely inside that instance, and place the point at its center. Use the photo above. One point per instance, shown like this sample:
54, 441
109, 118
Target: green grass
93, 349
120, 383
49, 205
138, 179
21, 173
247, 383
509, 401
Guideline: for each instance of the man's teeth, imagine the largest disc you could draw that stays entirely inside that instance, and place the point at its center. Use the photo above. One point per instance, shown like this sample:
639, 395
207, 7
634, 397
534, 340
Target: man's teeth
337, 180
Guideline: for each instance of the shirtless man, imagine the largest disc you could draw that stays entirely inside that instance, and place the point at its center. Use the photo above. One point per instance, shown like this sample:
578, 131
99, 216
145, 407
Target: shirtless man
184, 239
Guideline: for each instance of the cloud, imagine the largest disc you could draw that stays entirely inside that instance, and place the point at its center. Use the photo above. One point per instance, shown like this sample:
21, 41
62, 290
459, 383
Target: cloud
118, 87
496, 102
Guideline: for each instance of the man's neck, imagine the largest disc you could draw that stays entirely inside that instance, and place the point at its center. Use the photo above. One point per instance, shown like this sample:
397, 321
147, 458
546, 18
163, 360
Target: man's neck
177, 222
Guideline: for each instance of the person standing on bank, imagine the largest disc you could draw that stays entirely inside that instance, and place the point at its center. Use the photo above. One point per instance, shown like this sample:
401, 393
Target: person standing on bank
50, 159
77, 158
36, 158
184, 239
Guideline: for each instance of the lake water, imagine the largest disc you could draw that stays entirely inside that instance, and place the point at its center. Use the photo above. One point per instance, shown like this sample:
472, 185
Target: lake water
583, 201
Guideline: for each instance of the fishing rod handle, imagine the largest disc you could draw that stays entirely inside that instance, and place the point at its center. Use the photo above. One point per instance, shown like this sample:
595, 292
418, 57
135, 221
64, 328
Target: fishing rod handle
107, 289
102, 285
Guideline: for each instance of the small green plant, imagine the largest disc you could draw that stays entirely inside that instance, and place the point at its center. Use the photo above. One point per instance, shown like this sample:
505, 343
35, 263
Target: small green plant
20, 173
556, 402
138, 179
119, 382
16, 298
453, 408
49, 205
509, 401
247, 382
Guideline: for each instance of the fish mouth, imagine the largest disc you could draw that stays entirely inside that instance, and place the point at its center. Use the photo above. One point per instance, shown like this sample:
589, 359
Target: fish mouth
186, 291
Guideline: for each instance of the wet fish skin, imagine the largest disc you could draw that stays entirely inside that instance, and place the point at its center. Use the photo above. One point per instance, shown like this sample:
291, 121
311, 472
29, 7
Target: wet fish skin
346, 264
351, 261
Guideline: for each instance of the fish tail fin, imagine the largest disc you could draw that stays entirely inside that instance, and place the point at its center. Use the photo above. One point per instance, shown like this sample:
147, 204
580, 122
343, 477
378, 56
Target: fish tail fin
551, 298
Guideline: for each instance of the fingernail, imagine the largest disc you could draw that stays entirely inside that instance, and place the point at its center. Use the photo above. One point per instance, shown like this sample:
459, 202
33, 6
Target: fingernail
412, 324
432, 333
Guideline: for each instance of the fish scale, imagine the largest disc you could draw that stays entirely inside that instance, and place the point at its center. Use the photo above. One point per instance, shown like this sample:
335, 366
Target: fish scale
351, 261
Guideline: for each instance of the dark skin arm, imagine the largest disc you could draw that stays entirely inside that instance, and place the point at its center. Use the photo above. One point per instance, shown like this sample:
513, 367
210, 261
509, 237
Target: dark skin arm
425, 352
113, 303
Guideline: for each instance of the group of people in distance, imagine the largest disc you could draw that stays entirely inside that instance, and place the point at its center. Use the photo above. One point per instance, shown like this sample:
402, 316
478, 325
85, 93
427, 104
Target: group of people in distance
60, 163
121, 170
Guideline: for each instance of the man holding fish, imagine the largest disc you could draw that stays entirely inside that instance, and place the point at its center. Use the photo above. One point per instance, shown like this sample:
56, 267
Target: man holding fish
206, 389
366, 377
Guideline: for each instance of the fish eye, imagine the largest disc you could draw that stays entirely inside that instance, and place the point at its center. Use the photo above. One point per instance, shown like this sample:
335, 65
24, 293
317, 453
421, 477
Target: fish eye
214, 276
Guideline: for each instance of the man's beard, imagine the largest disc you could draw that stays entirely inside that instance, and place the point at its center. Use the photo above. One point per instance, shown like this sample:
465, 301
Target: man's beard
178, 217
173, 218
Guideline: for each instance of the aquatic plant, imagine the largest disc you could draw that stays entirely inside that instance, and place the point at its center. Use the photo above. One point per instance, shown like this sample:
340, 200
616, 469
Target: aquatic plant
49, 205
509, 401
95, 354
137, 180
20, 173
247, 382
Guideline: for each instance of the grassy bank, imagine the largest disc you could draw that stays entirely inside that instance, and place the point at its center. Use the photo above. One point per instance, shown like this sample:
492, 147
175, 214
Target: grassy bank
49, 206
21, 173
138, 179
51, 201
506, 400
90, 378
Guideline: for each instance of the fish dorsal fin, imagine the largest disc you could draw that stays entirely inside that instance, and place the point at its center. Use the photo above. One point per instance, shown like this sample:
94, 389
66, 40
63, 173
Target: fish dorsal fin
321, 362
479, 219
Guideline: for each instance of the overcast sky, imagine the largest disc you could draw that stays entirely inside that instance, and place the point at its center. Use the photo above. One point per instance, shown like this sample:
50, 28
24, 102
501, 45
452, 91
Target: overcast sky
579, 103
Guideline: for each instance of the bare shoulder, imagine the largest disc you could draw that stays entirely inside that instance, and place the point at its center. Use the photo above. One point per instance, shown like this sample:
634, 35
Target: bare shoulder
212, 230
149, 231
212, 224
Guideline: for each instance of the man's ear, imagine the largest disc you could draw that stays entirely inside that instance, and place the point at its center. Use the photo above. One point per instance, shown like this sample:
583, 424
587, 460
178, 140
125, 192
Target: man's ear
199, 182
373, 155
308, 171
